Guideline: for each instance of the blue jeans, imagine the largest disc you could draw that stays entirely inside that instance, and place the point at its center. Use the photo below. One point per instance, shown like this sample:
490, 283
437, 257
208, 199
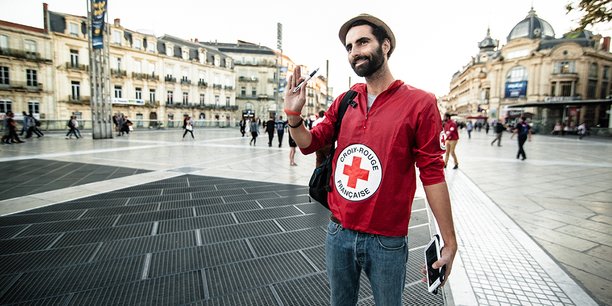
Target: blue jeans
382, 258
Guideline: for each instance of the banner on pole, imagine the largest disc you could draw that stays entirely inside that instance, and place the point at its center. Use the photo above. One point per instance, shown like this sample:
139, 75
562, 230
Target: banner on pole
98, 14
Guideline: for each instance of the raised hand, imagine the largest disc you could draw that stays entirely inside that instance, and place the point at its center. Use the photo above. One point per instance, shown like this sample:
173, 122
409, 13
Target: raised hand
294, 101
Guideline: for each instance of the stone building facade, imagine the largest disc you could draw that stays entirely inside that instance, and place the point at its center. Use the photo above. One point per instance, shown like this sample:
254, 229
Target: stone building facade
536, 75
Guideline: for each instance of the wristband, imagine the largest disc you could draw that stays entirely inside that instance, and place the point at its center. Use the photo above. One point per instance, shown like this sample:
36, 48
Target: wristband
292, 113
297, 125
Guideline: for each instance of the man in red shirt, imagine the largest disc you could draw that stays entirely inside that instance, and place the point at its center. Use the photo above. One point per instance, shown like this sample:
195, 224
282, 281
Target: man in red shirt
390, 128
452, 137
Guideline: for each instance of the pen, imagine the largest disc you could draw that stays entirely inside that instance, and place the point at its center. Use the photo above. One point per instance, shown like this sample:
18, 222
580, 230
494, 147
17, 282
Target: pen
306, 80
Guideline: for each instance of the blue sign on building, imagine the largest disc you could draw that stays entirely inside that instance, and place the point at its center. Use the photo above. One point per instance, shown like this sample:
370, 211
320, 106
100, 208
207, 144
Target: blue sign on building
516, 89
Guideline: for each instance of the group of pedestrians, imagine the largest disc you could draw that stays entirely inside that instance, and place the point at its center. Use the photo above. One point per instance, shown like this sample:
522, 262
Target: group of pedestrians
123, 125
451, 137
30, 126
73, 128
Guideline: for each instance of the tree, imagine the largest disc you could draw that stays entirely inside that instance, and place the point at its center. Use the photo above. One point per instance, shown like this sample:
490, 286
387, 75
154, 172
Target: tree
595, 11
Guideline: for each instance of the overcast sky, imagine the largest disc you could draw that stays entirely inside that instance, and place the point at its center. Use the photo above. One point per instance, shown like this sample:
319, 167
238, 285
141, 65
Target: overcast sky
434, 38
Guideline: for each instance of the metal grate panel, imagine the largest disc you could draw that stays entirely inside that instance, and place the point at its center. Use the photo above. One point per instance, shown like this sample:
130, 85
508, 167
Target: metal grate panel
256, 273
148, 244
38, 218
418, 237
256, 297
46, 259
292, 200
307, 291
199, 257
27, 244
169, 226
253, 196
418, 217
155, 216
156, 199
288, 241
52, 282
226, 208
304, 221
7, 232
189, 189
314, 208
217, 193
78, 205
113, 211
67, 226
171, 290
192, 203
238, 231
317, 256
267, 213
105, 234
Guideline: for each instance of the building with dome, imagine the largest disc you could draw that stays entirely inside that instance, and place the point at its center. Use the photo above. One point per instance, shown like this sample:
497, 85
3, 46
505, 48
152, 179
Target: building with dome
539, 76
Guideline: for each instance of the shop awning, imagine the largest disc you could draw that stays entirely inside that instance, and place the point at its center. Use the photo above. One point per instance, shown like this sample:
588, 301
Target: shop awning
478, 117
562, 103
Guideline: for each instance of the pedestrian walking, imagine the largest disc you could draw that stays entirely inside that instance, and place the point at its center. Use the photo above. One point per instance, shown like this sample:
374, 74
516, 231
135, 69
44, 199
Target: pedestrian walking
292, 146
469, 127
242, 125
452, 137
10, 126
372, 191
499, 128
188, 123
281, 125
71, 128
582, 130
254, 127
524, 133
270, 128
34, 124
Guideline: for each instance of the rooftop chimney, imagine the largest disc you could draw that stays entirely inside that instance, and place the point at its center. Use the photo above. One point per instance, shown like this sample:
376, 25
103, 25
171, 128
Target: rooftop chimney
117, 22
606, 44
45, 17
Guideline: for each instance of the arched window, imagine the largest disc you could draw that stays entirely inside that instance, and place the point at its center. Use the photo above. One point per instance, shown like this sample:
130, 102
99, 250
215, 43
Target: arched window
517, 74
516, 82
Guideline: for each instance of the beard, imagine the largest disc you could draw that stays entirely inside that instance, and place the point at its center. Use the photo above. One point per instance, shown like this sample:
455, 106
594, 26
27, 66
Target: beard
374, 62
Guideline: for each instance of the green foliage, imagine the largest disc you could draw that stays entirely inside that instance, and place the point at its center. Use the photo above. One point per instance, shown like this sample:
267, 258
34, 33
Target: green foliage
594, 11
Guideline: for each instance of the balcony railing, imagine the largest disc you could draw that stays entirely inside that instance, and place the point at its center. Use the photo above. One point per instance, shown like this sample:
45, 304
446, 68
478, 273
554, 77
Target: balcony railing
202, 83
23, 54
78, 99
79, 67
228, 87
217, 86
247, 79
170, 79
185, 81
22, 86
118, 73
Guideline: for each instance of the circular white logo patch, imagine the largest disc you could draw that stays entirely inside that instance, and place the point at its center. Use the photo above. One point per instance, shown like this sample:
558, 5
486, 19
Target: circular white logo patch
358, 173
443, 140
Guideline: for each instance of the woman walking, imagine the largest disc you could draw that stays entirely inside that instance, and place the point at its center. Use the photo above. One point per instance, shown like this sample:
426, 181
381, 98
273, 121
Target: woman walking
254, 131
188, 127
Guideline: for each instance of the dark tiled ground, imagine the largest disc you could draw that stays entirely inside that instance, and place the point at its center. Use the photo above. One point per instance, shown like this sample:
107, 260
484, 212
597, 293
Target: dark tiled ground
24, 177
186, 240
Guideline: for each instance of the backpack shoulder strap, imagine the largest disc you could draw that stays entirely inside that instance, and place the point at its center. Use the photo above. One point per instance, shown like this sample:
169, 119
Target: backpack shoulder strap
342, 109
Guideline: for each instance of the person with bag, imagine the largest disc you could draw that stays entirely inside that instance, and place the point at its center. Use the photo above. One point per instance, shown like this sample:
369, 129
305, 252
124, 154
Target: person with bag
499, 132
389, 128
188, 127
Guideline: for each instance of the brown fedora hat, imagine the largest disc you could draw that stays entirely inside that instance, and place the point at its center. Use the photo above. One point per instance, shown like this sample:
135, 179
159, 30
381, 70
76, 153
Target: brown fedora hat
371, 19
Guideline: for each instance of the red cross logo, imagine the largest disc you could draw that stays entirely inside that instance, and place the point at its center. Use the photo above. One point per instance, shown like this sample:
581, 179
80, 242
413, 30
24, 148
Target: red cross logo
355, 172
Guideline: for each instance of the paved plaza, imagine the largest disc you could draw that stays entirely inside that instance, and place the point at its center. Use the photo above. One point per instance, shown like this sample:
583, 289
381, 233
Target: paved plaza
151, 218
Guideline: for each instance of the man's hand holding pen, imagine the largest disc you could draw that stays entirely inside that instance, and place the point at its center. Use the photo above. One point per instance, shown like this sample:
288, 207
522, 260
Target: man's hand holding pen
295, 99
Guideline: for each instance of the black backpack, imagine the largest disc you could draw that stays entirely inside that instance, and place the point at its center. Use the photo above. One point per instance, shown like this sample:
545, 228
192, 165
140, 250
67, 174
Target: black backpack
319, 186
